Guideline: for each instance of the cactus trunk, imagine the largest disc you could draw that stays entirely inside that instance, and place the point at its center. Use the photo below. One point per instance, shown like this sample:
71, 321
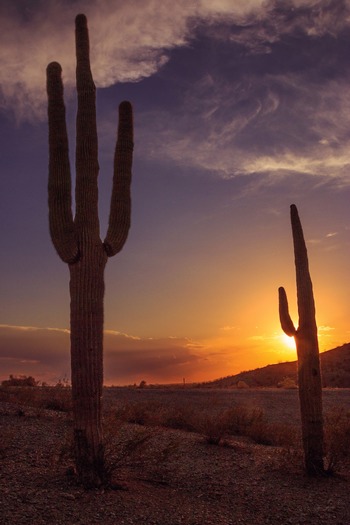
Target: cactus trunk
78, 243
309, 375
86, 319
310, 396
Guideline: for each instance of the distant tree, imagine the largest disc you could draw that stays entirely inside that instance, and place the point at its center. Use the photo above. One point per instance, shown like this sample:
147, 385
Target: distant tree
20, 380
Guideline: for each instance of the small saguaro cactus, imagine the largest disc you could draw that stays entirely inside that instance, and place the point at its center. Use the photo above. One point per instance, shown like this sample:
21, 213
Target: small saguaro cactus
78, 243
309, 376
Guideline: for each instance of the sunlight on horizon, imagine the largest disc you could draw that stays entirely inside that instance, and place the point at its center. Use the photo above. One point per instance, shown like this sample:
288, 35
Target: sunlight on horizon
288, 341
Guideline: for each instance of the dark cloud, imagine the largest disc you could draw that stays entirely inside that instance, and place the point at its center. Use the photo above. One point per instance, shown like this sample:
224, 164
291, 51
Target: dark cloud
44, 353
268, 96
157, 360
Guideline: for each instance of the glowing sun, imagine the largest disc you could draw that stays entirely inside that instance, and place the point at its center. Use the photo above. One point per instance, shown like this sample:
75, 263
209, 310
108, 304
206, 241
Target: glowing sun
288, 341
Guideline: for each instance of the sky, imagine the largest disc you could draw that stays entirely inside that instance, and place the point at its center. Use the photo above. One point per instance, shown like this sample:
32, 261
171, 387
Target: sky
241, 108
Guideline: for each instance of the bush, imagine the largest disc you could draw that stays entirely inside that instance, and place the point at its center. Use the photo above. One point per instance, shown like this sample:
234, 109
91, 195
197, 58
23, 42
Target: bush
139, 413
178, 416
21, 395
213, 427
288, 383
242, 421
242, 384
337, 438
121, 446
41, 397
152, 413
56, 398
239, 419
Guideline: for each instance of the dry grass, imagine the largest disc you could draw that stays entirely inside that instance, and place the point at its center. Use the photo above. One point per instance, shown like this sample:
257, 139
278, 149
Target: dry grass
44, 397
203, 413
215, 424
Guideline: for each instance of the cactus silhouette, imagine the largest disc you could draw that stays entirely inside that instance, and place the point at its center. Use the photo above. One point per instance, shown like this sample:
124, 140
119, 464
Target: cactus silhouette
77, 242
309, 377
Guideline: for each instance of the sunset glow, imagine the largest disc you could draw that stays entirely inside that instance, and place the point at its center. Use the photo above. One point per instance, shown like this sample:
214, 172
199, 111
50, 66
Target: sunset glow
241, 109
288, 341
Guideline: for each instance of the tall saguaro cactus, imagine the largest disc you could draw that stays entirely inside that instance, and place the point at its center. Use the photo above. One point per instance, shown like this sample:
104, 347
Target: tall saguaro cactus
309, 377
77, 241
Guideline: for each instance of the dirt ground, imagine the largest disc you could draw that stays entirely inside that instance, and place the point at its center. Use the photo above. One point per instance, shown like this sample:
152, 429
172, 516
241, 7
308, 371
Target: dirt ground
172, 477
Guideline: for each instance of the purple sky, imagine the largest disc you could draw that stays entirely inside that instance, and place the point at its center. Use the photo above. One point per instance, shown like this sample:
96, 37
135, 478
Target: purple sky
241, 109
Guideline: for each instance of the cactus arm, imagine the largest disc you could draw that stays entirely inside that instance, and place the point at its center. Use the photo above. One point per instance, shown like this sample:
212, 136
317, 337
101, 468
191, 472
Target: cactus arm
285, 319
119, 217
306, 303
86, 159
59, 186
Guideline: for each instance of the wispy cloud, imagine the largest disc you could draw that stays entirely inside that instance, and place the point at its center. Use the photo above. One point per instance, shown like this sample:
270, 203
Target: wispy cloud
277, 124
132, 40
129, 41
282, 113
286, 114
15, 328
325, 328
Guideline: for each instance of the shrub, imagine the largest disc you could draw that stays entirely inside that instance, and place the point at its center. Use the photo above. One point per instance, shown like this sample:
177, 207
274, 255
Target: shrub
243, 421
240, 418
178, 416
21, 395
242, 385
56, 398
43, 397
213, 427
288, 383
139, 413
121, 445
337, 438
153, 413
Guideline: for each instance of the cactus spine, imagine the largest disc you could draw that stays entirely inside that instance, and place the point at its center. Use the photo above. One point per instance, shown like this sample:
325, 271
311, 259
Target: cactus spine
77, 242
309, 376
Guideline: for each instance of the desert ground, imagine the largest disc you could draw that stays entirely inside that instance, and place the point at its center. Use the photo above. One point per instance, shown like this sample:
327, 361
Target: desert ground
176, 459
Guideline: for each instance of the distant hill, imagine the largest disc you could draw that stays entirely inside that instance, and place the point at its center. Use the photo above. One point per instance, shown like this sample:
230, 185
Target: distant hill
335, 370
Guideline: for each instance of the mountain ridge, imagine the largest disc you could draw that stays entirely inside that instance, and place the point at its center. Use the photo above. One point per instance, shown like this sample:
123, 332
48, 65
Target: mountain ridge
335, 371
